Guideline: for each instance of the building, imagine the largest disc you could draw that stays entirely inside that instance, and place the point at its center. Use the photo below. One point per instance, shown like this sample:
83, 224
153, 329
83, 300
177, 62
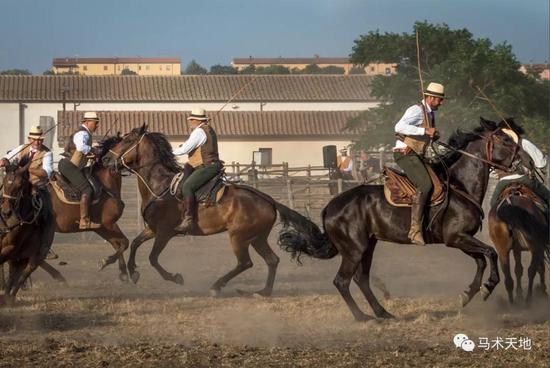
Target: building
542, 70
294, 115
322, 62
116, 66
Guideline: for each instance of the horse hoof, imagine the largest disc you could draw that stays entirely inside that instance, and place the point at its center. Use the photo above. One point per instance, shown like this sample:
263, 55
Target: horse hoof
485, 292
386, 315
363, 317
178, 279
215, 293
101, 264
123, 277
134, 276
463, 299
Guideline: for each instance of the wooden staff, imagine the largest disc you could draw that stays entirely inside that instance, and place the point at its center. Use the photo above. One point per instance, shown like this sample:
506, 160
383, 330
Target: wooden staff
234, 96
493, 106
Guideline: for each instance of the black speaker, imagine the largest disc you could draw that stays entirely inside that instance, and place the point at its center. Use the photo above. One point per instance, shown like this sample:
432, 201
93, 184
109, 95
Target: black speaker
329, 157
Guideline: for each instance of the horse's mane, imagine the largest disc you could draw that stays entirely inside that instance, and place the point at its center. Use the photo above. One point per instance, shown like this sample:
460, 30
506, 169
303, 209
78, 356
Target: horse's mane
108, 143
164, 151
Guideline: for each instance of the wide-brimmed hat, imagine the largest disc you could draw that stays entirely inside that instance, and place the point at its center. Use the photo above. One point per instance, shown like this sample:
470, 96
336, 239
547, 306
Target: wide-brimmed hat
344, 150
511, 134
35, 133
91, 115
198, 114
435, 90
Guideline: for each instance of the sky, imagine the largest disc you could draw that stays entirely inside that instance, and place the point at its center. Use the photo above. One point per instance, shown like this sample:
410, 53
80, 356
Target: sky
33, 32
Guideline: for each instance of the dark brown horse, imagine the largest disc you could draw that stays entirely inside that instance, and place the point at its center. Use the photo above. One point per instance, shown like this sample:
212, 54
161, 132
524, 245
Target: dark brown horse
20, 220
245, 213
516, 223
106, 211
355, 220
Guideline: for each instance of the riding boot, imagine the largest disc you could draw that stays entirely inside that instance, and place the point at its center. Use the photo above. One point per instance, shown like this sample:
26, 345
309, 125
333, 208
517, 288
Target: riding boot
417, 214
187, 215
85, 222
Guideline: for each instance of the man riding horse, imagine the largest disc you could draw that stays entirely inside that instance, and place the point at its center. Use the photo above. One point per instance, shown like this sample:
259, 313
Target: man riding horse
40, 171
204, 162
77, 153
414, 130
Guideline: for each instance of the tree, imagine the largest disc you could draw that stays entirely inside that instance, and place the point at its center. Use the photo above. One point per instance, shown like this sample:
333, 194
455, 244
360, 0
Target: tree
272, 69
332, 69
250, 69
48, 72
15, 72
222, 69
128, 72
194, 68
460, 62
357, 70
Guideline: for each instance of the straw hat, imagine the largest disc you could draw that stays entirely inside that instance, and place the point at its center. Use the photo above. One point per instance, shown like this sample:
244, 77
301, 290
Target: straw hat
91, 115
36, 133
511, 133
435, 90
198, 114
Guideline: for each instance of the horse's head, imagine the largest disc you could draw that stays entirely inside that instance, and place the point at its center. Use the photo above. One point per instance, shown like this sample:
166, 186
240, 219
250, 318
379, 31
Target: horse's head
15, 185
125, 152
500, 149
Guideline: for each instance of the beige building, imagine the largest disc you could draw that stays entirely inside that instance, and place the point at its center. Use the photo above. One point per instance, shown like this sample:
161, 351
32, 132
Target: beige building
322, 62
543, 70
115, 66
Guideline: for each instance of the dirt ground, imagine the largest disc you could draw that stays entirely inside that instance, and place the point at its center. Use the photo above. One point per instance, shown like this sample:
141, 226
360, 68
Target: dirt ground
96, 320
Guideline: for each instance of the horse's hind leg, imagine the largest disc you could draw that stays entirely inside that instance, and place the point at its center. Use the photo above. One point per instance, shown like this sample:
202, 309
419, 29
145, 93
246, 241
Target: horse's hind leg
57, 276
145, 235
504, 259
3, 285
160, 243
542, 287
120, 243
362, 276
26, 269
240, 249
537, 260
347, 270
264, 250
518, 269
474, 287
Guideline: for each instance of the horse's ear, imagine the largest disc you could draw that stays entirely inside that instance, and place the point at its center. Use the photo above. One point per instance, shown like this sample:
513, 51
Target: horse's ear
143, 129
487, 124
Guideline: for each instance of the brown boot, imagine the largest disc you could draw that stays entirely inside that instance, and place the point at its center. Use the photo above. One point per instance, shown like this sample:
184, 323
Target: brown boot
417, 214
187, 215
85, 222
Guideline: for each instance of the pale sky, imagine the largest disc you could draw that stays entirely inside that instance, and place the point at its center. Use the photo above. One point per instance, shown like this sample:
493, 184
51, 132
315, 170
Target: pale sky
33, 32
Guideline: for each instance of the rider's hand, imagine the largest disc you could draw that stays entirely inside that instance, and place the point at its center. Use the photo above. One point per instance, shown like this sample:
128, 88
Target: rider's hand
430, 132
4, 162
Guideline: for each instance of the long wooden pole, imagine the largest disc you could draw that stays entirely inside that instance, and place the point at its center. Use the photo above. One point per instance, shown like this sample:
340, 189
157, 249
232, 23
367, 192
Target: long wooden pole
421, 80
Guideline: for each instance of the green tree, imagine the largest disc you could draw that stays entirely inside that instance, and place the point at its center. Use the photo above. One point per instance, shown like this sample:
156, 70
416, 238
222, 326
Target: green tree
194, 68
251, 69
459, 61
332, 69
128, 72
15, 72
272, 69
48, 72
222, 69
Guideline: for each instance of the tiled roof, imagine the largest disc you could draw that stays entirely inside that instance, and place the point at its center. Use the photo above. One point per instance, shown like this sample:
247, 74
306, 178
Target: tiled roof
122, 60
228, 125
190, 88
313, 60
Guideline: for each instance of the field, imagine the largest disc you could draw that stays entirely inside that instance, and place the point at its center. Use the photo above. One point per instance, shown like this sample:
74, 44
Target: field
96, 320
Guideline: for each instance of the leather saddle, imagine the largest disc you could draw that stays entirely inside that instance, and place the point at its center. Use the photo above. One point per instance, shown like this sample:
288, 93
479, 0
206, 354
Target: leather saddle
210, 193
399, 190
69, 194
521, 190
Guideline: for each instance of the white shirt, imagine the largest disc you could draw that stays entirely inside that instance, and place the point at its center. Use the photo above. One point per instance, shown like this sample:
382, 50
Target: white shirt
539, 159
47, 161
196, 139
80, 138
410, 122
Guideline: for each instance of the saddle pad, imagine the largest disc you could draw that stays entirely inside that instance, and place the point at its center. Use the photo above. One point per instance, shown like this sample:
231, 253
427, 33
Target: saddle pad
399, 190
523, 190
66, 193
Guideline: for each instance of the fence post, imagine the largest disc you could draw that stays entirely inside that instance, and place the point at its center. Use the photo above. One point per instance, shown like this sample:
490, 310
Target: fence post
254, 181
382, 159
308, 191
289, 192
340, 185
285, 170
238, 167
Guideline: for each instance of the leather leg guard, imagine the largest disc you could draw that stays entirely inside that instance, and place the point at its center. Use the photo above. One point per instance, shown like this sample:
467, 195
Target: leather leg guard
187, 215
417, 215
85, 222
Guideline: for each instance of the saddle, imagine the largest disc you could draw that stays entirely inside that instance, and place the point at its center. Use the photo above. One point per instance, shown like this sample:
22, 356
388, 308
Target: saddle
521, 190
208, 195
399, 190
71, 195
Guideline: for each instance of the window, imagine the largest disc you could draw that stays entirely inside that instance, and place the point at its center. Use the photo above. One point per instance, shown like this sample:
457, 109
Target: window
160, 67
85, 67
139, 67
264, 156
388, 71
372, 68
105, 67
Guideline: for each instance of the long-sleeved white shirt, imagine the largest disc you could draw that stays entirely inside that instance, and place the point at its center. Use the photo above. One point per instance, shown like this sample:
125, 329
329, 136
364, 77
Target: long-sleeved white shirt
80, 138
410, 122
47, 162
539, 159
196, 139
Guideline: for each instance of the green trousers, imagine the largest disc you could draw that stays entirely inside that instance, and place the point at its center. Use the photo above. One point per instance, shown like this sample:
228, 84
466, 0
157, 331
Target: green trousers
198, 178
416, 171
535, 185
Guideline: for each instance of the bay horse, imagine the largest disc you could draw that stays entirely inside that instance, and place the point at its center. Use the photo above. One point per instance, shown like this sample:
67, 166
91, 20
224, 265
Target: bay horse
516, 223
355, 220
20, 244
106, 211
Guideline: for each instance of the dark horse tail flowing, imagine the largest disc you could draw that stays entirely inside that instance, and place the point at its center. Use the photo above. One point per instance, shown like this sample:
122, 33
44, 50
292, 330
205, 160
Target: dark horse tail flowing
355, 220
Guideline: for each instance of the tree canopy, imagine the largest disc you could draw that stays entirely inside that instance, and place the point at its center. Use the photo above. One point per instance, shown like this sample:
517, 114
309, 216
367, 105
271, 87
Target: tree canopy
461, 63
194, 68
15, 72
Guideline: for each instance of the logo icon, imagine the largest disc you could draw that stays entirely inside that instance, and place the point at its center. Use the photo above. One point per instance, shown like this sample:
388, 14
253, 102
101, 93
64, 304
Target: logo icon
462, 341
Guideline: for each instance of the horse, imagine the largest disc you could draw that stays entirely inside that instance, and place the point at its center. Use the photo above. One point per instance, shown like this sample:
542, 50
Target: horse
355, 220
245, 213
107, 212
22, 229
516, 223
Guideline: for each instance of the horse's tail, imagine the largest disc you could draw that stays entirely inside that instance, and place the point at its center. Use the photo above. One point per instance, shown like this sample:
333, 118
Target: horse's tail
299, 234
519, 219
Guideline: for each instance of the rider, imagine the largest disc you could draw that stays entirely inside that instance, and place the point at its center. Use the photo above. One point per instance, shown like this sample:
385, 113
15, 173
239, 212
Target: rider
202, 148
537, 160
414, 130
345, 164
77, 152
40, 171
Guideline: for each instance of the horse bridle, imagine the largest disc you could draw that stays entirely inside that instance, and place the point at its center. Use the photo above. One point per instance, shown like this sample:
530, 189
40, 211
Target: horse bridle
15, 210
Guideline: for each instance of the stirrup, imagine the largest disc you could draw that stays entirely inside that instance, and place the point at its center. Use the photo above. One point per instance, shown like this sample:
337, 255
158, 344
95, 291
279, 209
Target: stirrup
87, 224
417, 238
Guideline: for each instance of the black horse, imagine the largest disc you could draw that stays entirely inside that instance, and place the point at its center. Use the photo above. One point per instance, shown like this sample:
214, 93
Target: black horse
355, 220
